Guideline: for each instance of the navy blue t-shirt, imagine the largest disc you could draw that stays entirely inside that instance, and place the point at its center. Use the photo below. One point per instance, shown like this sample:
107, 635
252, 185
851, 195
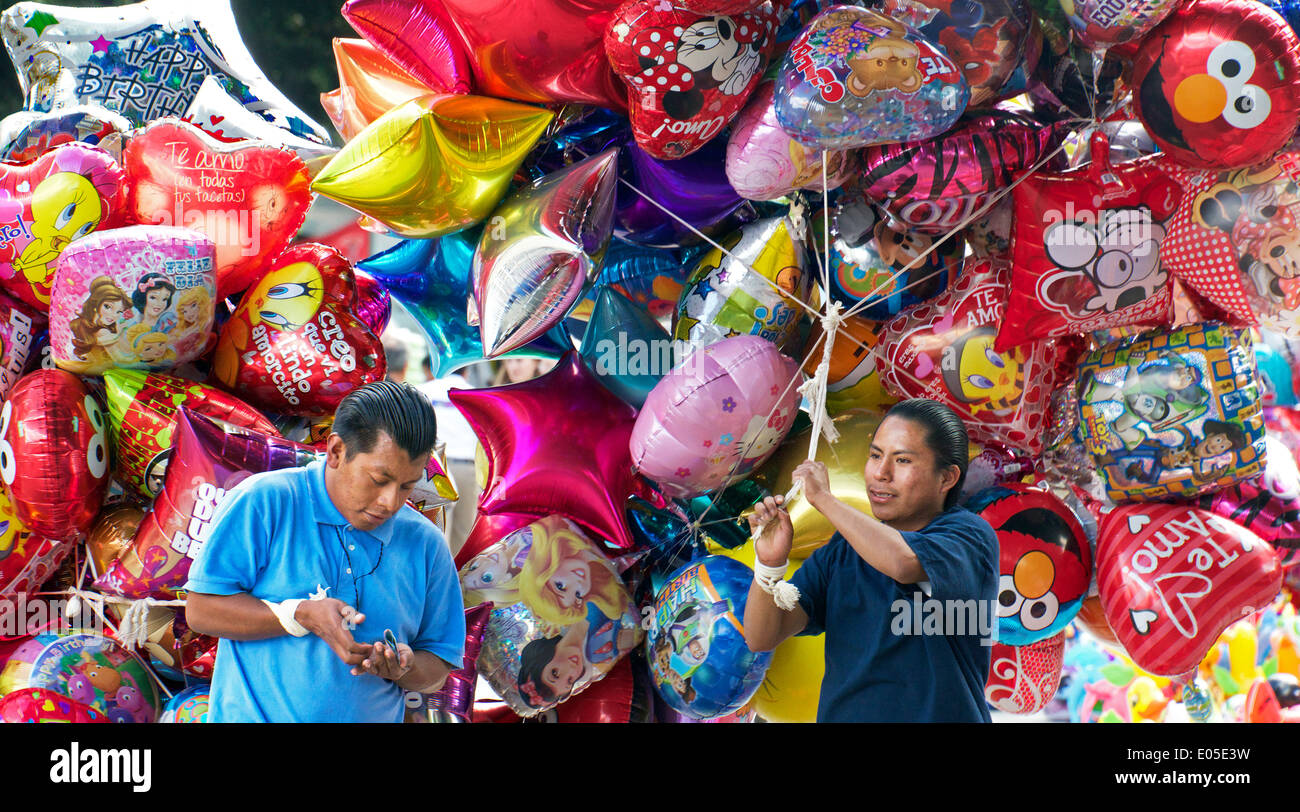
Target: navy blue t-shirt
877, 668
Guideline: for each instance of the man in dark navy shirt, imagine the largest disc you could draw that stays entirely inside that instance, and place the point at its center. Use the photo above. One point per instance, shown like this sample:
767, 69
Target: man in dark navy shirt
921, 554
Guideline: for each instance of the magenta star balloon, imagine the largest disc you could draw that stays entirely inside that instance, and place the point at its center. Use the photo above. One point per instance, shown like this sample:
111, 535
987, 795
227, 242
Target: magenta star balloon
557, 444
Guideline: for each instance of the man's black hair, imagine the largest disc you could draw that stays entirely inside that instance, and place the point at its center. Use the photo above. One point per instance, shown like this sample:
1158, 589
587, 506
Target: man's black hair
395, 409
945, 435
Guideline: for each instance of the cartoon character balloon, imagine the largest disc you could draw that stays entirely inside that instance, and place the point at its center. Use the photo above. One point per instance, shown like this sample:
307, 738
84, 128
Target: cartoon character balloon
1099, 24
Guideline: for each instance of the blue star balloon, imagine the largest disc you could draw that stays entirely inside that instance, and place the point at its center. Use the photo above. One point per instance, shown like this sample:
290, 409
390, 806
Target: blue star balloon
627, 349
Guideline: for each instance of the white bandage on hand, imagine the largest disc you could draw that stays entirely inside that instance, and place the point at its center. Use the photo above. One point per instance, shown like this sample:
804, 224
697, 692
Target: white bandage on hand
772, 581
284, 612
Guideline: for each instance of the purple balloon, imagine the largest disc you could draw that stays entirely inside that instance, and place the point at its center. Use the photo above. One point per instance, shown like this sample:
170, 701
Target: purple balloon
454, 701
374, 305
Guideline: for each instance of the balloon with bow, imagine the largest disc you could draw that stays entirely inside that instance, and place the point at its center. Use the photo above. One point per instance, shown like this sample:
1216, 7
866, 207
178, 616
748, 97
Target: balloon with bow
556, 445
370, 84
28, 134
544, 245
627, 349
435, 164
409, 41
144, 61
249, 198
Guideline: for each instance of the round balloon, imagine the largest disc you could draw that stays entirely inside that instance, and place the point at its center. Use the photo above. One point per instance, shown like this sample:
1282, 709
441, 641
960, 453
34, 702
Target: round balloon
41, 705
1023, 679
87, 668
1098, 23
111, 535
187, 707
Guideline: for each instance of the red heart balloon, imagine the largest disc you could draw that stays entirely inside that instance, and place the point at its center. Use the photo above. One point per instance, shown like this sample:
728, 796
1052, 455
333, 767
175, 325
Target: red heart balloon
64, 194
54, 453
688, 73
1172, 577
247, 197
1023, 679
294, 345
943, 349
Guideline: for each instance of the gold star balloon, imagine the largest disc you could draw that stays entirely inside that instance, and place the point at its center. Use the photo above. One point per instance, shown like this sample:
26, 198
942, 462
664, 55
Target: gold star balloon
435, 164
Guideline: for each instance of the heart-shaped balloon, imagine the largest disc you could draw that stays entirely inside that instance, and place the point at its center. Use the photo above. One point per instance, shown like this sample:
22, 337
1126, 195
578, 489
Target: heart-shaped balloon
54, 453
688, 73
61, 196
1173, 577
294, 345
943, 349
1023, 679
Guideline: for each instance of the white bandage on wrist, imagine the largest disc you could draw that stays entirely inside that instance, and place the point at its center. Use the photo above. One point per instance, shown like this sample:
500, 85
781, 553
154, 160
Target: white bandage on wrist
284, 612
772, 581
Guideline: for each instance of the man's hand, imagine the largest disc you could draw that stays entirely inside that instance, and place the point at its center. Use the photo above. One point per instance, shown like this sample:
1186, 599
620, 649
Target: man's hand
814, 479
326, 619
385, 663
773, 546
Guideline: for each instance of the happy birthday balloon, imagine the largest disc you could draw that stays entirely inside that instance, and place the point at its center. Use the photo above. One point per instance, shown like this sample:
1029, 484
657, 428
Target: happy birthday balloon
61, 196
207, 461
1169, 414
54, 453
144, 61
293, 345
1173, 577
555, 445
855, 77
545, 244
1023, 679
248, 198
749, 290
435, 164
145, 408
716, 416
141, 297
1216, 84
28, 134
89, 669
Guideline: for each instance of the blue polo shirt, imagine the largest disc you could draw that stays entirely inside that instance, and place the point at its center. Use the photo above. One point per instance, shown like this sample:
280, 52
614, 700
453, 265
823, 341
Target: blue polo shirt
878, 667
278, 536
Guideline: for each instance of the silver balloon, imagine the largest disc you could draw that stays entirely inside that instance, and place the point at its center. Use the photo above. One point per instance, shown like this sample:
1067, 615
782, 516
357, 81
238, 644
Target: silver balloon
1129, 140
539, 250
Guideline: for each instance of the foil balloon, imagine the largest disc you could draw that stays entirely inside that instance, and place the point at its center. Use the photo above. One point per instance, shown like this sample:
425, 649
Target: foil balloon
791, 689
294, 345
1128, 140
612, 700
141, 297
26, 562
556, 445
753, 289
855, 77
1023, 679
699, 661
374, 303
111, 535
187, 707
145, 408
1093, 618
650, 278
657, 197
1087, 250
28, 134
846, 465
87, 668
41, 705
435, 164
1172, 414
144, 61
21, 327
411, 37
63, 195
1044, 561
435, 488
765, 163
488, 529
545, 243
370, 84
1099, 24
627, 349
939, 184
1217, 84
1268, 505
249, 198
878, 259
454, 701
688, 73
1172, 577
430, 278
541, 52
716, 416
943, 350
54, 453
563, 617
853, 379
208, 460
217, 112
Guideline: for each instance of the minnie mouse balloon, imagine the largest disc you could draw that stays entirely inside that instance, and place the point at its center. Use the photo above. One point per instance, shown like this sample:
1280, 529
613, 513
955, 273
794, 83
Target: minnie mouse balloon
61, 196
141, 297
1173, 577
764, 162
294, 345
1217, 84
716, 416
249, 198
688, 74
54, 453
855, 77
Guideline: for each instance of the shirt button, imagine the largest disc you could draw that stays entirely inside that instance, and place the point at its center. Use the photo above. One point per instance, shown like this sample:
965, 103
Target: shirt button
352, 546
349, 570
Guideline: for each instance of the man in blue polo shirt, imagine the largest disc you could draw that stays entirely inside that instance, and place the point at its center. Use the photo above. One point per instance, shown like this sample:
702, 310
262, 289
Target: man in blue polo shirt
877, 669
307, 569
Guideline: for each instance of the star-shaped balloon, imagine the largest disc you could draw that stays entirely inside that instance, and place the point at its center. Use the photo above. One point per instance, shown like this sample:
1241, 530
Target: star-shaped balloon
418, 37
370, 84
627, 349
435, 164
557, 444
430, 278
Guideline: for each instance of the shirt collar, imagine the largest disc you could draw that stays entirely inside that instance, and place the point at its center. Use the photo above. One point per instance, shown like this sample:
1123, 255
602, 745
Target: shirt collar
326, 513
